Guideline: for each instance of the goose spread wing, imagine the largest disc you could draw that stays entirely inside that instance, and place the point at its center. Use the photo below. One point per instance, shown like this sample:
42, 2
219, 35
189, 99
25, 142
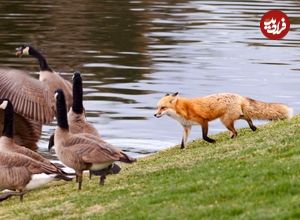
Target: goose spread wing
30, 97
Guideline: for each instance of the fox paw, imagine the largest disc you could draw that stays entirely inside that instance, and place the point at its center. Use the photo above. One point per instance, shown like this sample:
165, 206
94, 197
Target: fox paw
210, 140
253, 128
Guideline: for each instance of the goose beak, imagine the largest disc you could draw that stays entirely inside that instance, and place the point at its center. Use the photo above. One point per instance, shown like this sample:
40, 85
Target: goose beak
19, 52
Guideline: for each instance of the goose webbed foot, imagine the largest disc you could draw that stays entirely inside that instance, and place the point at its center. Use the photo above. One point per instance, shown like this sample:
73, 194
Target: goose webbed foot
79, 179
21, 194
7, 195
102, 180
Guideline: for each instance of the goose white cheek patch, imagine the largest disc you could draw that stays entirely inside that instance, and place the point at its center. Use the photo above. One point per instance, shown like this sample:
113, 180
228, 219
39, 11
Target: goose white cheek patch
4, 104
26, 51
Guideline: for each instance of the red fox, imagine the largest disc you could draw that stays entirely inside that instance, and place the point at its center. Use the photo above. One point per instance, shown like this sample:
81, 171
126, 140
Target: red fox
226, 106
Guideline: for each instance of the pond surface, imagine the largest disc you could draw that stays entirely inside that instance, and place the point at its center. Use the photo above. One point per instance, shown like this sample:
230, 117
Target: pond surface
133, 52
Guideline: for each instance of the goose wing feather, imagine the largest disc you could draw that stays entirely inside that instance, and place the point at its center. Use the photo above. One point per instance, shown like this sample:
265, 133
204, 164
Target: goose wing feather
29, 96
15, 160
29, 153
92, 150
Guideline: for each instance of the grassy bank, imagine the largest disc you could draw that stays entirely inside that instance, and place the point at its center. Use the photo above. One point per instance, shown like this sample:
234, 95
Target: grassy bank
256, 176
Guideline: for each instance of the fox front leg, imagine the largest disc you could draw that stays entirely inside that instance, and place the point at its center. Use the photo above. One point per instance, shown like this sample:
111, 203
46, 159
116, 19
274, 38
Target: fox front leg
204, 133
186, 133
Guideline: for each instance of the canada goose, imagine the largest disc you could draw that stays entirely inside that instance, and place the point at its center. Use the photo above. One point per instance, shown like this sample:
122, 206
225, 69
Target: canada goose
21, 173
46, 75
83, 151
7, 143
76, 115
34, 106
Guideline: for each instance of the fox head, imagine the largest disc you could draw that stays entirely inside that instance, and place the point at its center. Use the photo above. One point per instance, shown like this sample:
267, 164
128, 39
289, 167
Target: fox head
166, 105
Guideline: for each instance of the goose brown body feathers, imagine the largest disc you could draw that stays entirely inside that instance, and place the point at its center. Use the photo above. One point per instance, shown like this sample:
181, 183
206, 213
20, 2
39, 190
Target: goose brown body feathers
79, 124
17, 169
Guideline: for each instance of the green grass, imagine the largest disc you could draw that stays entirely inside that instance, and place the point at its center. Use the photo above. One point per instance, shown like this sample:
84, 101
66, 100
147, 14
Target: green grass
255, 176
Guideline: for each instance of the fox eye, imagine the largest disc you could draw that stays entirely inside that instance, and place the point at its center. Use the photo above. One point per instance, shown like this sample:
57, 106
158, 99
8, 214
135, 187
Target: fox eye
163, 108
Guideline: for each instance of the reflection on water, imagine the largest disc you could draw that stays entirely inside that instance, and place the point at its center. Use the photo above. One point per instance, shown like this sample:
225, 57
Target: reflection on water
132, 52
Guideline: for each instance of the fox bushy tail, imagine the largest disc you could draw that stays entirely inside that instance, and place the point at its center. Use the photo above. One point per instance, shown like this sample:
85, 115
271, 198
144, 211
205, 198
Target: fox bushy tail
266, 111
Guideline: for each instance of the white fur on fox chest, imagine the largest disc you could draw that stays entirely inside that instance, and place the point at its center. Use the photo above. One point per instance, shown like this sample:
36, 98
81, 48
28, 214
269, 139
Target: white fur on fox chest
180, 119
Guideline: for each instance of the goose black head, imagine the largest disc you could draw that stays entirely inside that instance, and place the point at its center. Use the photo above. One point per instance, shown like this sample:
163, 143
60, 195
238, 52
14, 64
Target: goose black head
61, 109
23, 50
59, 97
31, 51
76, 76
77, 106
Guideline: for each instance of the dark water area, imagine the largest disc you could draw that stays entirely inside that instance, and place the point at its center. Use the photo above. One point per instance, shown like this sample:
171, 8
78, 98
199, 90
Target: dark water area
133, 52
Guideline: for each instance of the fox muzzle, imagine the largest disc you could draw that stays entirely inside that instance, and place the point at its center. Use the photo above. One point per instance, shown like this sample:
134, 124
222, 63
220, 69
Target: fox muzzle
157, 115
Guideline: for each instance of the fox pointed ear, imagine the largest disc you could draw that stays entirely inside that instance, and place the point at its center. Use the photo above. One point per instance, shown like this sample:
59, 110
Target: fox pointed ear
174, 98
167, 94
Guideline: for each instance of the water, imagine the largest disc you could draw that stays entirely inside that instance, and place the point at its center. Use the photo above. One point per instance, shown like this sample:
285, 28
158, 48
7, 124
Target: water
132, 52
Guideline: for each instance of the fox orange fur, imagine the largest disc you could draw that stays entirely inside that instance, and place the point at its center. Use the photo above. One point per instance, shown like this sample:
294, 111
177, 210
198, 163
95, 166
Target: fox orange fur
229, 107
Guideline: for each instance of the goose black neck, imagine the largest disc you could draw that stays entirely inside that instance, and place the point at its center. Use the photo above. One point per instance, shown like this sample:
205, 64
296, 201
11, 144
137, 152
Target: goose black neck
42, 61
77, 106
8, 128
61, 111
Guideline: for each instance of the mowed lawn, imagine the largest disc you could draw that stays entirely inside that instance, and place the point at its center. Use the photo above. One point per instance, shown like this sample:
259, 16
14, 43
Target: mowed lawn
255, 176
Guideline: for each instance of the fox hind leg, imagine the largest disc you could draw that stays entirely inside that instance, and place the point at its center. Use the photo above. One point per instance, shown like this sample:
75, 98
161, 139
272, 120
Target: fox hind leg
229, 124
250, 123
